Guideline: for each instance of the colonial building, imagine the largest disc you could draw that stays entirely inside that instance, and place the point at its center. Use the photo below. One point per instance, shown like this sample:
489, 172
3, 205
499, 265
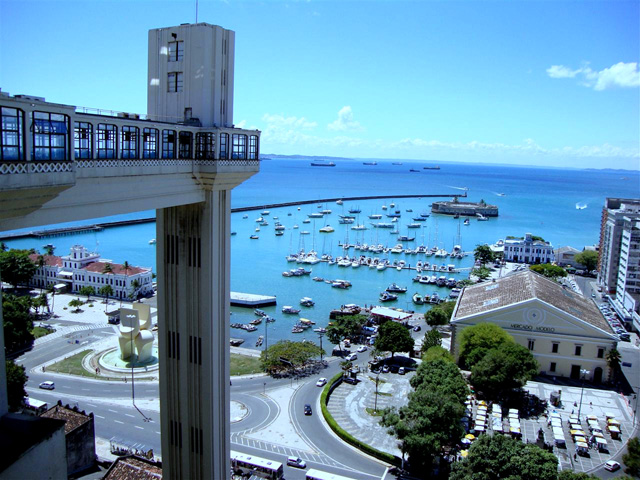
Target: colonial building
82, 268
564, 331
528, 250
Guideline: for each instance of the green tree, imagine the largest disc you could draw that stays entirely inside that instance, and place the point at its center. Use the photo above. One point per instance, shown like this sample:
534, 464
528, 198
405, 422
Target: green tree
548, 270
432, 338
481, 273
16, 267
126, 266
3, 247
588, 258
49, 249
52, 291
503, 369
40, 263
483, 254
436, 353
631, 459
107, 268
394, 337
135, 286
477, 340
348, 326
428, 423
76, 303
436, 316
614, 359
39, 302
443, 376
295, 354
17, 322
16, 380
106, 291
87, 290
498, 456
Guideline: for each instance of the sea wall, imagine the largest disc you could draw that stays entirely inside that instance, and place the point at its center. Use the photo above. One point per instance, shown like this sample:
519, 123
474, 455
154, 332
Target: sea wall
464, 208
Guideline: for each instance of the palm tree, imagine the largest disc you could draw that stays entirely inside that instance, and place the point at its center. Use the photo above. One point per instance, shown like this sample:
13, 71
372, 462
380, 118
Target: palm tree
76, 303
135, 286
3, 247
614, 359
40, 263
48, 249
108, 268
126, 267
106, 291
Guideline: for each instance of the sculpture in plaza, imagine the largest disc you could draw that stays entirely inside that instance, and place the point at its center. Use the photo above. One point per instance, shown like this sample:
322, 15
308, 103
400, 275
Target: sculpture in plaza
134, 332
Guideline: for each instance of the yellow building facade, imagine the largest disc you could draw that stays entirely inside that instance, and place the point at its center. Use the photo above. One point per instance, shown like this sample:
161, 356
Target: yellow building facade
565, 332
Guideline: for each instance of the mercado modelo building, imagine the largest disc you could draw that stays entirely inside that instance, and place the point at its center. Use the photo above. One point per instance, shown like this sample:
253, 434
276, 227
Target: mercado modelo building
82, 268
565, 331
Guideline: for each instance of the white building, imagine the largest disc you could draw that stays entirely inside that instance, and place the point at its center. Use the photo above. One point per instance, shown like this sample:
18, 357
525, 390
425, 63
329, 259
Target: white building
565, 332
82, 268
528, 250
619, 272
565, 256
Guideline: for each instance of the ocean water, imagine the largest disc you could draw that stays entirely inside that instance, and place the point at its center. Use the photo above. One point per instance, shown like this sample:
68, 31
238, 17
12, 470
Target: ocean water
562, 206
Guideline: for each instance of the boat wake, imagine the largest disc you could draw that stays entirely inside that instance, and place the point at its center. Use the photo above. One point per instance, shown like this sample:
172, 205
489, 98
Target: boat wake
459, 188
499, 194
581, 206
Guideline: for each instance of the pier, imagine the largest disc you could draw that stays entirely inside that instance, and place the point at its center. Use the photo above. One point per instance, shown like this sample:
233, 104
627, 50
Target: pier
100, 226
249, 300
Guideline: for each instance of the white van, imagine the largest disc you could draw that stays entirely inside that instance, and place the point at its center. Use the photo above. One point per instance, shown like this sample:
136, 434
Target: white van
33, 406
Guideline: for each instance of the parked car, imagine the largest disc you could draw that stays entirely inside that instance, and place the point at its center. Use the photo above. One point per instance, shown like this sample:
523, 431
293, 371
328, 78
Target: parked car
611, 465
385, 369
296, 462
321, 382
401, 371
307, 409
362, 348
351, 357
47, 385
417, 328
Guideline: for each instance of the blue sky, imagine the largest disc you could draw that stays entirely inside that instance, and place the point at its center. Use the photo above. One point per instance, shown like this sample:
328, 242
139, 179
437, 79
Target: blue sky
552, 83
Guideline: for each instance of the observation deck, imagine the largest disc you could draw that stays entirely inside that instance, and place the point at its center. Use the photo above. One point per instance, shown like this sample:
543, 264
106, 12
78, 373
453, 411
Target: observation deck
59, 163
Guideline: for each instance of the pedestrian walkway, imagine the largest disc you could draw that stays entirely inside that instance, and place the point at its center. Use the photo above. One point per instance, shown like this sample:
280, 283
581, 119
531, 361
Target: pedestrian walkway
68, 331
352, 407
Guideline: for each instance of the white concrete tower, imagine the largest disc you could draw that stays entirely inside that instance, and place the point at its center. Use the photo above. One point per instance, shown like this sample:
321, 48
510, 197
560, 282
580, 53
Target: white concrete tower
190, 75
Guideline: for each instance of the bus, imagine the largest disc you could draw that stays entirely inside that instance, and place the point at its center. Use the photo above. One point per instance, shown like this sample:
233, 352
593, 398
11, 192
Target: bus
313, 474
242, 463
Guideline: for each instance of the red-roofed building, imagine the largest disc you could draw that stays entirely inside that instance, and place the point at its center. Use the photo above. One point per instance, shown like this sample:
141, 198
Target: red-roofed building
83, 268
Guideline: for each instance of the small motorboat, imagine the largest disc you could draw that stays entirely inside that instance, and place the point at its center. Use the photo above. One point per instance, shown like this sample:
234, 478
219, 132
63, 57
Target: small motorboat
307, 302
417, 299
254, 237
290, 310
152, 241
387, 297
394, 287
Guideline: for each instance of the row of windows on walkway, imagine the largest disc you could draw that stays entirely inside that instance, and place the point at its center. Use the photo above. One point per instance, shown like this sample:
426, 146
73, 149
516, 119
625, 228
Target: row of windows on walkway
51, 140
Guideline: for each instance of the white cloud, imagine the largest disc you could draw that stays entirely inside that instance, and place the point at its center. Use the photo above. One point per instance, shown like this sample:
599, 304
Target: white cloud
345, 121
241, 124
295, 135
560, 71
625, 75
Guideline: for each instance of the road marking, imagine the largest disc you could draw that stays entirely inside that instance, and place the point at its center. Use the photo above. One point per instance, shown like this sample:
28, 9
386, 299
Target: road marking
141, 428
99, 416
118, 421
113, 411
128, 415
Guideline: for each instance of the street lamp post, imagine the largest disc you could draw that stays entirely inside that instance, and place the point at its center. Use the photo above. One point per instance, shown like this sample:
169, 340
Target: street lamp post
320, 335
584, 373
375, 408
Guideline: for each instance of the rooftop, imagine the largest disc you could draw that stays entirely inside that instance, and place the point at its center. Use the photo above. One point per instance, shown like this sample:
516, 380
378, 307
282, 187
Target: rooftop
523, 286
133, 468
72, 417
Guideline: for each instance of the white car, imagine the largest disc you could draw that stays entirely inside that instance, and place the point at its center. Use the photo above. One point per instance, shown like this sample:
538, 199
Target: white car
611, 465
296, 462
321, 382
362, 348
351, 357
47, 385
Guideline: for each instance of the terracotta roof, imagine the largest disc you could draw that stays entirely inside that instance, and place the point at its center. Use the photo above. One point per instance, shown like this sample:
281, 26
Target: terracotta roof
133, 468
71, 416
116, 268
524, 286
50, 260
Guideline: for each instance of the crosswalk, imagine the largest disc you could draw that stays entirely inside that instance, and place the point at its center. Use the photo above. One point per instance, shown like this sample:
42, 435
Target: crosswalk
239, 438
69, 331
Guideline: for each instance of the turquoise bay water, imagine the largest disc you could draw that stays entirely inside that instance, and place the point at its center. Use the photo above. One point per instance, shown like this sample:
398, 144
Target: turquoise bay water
541, 201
